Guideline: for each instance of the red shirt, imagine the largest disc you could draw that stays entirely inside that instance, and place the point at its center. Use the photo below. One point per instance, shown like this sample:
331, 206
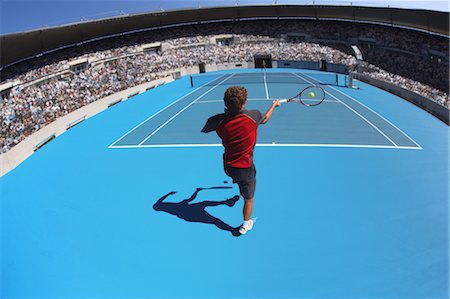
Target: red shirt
238, 133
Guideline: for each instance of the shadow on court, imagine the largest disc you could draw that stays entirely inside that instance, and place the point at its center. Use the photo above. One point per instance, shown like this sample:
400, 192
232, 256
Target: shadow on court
197, 212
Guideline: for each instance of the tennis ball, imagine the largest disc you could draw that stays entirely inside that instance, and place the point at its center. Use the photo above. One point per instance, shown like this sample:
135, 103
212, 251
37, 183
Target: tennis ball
312, 94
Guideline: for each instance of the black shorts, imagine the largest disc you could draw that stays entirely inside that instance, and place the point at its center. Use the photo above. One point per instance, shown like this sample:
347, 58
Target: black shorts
245, 178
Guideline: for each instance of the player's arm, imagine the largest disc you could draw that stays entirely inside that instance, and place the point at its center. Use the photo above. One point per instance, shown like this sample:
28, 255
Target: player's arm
212, 123
193, 196
269, 112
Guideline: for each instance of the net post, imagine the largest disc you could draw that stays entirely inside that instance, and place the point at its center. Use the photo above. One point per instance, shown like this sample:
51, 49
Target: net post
192, 83
352, 76
354, 67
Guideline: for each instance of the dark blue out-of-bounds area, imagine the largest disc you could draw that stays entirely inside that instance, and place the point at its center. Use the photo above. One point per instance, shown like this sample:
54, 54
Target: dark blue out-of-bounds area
351, 200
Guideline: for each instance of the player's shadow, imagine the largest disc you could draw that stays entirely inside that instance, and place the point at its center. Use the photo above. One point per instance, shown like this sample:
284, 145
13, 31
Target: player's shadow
196, 212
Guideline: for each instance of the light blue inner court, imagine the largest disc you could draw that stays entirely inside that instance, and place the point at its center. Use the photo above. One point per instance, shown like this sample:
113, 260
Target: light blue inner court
334, 220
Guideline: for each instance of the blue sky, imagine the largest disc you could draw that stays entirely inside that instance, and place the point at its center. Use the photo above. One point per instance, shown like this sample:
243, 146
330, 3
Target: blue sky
23, 15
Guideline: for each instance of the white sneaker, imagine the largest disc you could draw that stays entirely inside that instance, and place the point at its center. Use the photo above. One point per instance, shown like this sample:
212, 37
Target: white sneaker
246, 226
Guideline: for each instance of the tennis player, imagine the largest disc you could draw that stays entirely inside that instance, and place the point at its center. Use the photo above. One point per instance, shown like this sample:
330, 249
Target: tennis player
237, 128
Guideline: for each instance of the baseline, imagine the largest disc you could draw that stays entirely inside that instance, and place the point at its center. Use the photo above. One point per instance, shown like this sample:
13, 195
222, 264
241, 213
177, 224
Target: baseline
270, 145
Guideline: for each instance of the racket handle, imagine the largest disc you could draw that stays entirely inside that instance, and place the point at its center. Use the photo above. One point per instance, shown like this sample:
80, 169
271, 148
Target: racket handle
283, 100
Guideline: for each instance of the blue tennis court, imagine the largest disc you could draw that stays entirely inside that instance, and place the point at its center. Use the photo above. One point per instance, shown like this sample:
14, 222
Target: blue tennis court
351, 199
343, 121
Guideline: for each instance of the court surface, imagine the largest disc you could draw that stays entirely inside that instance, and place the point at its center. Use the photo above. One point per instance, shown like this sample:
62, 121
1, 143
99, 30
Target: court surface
351, 201
356, 126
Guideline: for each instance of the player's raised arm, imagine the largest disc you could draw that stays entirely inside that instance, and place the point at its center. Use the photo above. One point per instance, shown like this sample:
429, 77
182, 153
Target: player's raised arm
269, 112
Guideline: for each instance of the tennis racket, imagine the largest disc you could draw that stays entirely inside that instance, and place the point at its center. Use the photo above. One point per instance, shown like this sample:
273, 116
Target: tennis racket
310, 96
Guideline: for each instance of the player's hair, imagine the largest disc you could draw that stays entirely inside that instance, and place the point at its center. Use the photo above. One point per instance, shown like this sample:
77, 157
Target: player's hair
235, 98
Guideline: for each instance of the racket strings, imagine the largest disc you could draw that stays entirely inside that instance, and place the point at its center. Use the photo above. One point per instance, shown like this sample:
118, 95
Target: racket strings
312, 96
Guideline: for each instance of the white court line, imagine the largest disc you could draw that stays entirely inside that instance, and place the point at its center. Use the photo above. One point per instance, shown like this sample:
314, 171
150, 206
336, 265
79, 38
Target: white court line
265, 86
189, 105
254, 99
357, 113
179, 99
268, 145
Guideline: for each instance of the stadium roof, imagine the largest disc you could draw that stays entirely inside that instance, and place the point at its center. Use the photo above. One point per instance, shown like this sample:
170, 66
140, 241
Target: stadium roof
44, 14
21, 46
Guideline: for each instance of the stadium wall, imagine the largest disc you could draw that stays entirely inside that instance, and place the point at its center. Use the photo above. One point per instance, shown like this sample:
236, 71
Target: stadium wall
18, 47
426, 104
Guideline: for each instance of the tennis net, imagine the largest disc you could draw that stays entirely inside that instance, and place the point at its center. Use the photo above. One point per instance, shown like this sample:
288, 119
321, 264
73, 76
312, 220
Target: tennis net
261, 78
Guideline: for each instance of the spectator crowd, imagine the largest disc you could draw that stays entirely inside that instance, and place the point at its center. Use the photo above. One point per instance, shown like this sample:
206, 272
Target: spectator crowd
119, 64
